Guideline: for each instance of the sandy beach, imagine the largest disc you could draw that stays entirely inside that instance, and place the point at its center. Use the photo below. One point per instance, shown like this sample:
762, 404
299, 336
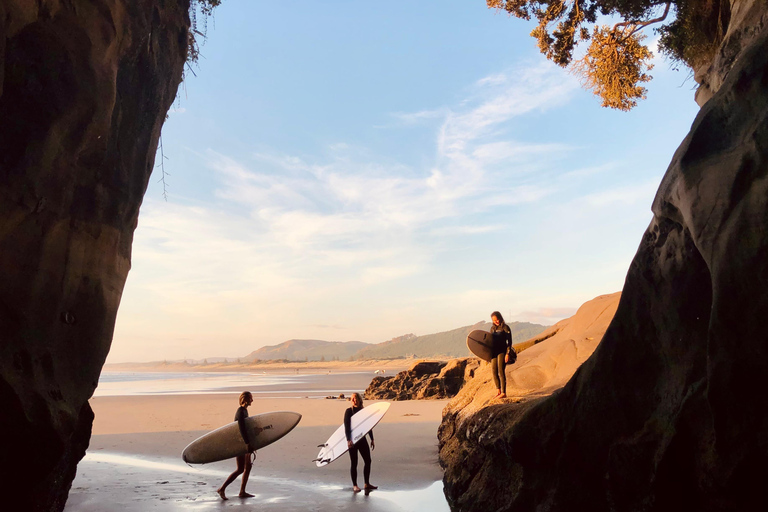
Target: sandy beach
134, 464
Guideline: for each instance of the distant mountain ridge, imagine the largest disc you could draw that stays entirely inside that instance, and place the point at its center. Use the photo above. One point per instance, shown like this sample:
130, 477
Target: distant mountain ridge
451, 343
307, 350
443, 344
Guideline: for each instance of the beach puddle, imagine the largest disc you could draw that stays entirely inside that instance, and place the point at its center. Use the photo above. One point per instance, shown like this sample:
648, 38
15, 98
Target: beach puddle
431, 498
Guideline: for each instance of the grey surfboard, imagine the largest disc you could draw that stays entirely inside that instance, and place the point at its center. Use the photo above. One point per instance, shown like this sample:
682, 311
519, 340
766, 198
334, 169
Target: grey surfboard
227, 442
480, 343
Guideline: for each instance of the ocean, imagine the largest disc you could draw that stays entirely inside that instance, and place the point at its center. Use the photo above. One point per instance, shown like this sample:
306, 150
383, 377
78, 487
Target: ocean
285, 384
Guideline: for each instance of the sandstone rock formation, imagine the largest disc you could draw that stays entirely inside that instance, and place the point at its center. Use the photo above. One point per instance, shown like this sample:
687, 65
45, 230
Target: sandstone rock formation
84, 89
540, 369
669, 413
424, 380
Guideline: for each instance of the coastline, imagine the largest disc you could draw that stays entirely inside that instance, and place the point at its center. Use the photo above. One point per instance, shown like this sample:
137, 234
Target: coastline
272, 365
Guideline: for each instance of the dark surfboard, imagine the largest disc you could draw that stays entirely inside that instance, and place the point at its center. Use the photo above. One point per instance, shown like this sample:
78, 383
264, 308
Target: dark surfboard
480, 343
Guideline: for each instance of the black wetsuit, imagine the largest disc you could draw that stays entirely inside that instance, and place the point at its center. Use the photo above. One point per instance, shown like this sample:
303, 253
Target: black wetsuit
240, 416
502, 344
361, 446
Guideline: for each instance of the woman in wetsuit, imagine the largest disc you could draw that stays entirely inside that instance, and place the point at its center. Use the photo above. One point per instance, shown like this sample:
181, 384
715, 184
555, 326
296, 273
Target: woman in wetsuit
361, 446
502, 344
243, 461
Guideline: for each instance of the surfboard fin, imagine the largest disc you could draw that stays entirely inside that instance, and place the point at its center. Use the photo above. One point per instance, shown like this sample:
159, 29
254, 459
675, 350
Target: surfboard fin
324, 445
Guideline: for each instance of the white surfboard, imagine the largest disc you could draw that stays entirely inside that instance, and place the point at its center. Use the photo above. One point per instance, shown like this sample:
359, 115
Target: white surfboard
361, 422
227, 442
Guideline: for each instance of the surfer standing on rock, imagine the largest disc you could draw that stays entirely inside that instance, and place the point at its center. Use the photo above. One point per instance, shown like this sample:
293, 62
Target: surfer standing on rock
502, 344
244, 463
361, 446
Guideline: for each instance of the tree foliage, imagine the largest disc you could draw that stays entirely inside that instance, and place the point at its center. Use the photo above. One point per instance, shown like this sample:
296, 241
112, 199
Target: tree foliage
617, 62
614, 67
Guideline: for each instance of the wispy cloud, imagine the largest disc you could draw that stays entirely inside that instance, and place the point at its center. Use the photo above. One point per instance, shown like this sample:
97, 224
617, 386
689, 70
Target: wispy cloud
302, 229
545, 316
356, 209
418, 117
465, 230
626, 195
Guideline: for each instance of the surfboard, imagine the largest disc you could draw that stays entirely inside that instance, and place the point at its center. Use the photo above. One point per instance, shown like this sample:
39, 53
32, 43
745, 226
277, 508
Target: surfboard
361, 422
226, 442
480, 343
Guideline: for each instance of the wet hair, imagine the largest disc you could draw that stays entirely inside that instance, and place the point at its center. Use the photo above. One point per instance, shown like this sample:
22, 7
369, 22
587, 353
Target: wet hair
244, 396
498, 315
360, 398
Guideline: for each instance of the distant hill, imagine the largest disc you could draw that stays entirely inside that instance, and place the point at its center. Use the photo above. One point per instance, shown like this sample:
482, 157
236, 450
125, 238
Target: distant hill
310, 350
449, 343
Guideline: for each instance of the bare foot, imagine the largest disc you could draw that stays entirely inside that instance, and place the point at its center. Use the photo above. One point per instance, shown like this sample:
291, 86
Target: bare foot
503, 395
221, 493
355, 489
244, 494
498, 392
369, 487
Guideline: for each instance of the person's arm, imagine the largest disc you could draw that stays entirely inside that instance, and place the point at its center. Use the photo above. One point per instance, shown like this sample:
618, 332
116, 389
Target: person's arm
348, 426
373, 445
240, 417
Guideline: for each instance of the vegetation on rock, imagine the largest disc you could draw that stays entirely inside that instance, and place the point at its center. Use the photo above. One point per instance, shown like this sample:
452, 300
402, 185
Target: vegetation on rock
617, 61
198, 10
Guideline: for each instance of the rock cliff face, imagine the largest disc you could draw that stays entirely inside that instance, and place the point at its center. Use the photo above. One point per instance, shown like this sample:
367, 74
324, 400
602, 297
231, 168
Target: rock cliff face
424, 380
670, 411
84, 89
747, 19
540, 368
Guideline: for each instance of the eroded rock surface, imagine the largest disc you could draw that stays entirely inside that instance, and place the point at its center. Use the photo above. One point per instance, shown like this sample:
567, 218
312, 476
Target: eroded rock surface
670, 411
85, 87
424, 380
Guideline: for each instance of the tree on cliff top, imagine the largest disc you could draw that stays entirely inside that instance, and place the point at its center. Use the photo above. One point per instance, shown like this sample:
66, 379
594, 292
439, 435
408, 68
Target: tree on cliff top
617, 61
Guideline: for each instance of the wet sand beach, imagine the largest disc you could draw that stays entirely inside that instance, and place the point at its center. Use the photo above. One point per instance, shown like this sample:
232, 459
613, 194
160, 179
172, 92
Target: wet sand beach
134, 464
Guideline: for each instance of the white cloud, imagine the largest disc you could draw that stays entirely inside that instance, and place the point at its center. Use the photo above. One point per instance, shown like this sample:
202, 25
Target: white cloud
626, 195
465, 230
305, 233
546, 315
418, 117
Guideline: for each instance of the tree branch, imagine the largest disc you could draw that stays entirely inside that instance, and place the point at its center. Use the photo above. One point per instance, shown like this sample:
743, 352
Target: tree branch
636, 26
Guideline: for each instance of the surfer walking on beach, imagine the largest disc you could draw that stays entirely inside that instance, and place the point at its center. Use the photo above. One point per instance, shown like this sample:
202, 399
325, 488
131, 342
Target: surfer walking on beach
244, 462
360, 447
502, 344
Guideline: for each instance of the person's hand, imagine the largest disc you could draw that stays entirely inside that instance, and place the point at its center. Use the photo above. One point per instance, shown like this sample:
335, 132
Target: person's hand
506, 358
373, 445
350, 444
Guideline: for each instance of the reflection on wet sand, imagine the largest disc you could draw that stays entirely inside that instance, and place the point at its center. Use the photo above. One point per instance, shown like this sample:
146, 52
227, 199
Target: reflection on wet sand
110, 481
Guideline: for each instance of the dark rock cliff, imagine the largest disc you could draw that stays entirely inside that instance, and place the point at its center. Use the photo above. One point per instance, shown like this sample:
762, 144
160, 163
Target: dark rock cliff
425, 380
670, 411
84, 89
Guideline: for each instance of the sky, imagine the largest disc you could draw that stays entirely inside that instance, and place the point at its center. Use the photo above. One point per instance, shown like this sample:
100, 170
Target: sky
361, 170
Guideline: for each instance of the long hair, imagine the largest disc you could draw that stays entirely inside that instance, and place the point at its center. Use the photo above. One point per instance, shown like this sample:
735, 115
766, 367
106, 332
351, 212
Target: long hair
245, 396
359, 398
498, 315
